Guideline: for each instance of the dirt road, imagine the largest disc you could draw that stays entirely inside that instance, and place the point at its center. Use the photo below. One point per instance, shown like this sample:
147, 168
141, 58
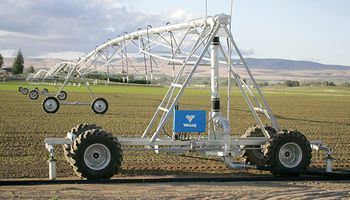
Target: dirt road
233, 190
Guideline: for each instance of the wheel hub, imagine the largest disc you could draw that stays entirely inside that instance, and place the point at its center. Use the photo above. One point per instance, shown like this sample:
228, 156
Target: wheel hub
290, 155
287, 154
97, 156
100, 106
50, 105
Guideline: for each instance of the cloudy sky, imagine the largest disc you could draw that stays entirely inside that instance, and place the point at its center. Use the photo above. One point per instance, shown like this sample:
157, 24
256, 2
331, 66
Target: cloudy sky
314, 30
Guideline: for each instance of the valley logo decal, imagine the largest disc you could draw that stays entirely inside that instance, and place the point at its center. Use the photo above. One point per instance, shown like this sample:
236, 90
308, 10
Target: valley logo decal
190, 118
189, 121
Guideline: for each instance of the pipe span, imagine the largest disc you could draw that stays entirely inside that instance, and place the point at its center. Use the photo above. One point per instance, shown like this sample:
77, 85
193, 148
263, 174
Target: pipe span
209, 21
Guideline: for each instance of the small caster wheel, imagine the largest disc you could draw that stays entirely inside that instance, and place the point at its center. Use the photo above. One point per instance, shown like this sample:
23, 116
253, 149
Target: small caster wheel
99, 106
20, 89
33, 95
51, 105
45, 91
62, 95
25, 91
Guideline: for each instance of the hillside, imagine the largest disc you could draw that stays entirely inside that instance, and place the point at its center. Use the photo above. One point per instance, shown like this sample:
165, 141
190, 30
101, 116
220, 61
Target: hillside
263, 68
284, 64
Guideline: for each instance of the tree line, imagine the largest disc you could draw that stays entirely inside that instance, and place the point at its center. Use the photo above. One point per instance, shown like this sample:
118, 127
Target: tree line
18, 63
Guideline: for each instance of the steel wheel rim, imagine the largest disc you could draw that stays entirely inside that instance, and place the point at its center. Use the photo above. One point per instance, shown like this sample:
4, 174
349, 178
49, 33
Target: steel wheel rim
50, 105
61, 95
290, 155
33, 95
97, 156
25, 91
100, 106
258, 153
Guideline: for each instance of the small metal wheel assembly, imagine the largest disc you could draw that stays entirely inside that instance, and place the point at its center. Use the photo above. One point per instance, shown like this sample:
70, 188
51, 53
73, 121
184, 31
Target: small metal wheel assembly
62, 95
99, 106
24, 91
45, 91
20, 89
51, 105
33, 95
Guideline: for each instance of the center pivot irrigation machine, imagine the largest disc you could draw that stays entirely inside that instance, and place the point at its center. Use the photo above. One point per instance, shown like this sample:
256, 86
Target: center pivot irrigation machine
97, 154
46, 77
60, 75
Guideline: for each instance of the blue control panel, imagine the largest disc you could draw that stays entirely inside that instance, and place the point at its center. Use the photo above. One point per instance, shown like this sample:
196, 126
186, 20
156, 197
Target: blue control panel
189, 121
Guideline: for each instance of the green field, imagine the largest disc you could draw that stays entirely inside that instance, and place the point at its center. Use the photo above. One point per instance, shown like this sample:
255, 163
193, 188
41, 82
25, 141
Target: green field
321, 113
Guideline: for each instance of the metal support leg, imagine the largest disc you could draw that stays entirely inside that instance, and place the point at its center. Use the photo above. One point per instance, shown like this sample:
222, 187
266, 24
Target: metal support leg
329, 163
50, 146
52, 168
52, 162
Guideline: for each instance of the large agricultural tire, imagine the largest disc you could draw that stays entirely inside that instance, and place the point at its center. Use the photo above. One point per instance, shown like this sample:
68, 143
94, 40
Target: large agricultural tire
99, 106
73, 134
96, 154
288, 153
256, 156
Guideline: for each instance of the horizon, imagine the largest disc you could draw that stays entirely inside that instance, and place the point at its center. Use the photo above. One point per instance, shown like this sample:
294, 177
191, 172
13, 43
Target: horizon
68, 30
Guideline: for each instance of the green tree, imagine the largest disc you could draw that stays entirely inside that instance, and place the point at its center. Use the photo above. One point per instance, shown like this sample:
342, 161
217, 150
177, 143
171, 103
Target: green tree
290, 83
1, 61
17, 66
264, 84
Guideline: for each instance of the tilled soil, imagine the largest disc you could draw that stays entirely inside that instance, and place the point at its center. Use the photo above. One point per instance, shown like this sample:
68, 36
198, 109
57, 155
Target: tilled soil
24, 126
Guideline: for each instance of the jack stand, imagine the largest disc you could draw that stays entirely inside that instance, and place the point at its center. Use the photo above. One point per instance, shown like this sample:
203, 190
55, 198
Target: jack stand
50, 146
52, 168
52, 162
317, 145
329, 163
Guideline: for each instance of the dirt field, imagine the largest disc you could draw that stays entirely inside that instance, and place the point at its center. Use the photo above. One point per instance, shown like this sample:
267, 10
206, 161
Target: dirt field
319, 113
235, 190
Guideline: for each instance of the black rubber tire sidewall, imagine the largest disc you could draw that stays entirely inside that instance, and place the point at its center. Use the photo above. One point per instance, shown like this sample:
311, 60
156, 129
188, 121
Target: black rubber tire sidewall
95, 111
250, 156
54, 111
44, 91
77, 130
36, 97
25, 91
65, 95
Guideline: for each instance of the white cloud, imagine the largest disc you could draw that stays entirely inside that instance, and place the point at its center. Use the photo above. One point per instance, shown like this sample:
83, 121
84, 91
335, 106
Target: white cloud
66, 55
10, 34
62, 26
9, 52
181, 15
